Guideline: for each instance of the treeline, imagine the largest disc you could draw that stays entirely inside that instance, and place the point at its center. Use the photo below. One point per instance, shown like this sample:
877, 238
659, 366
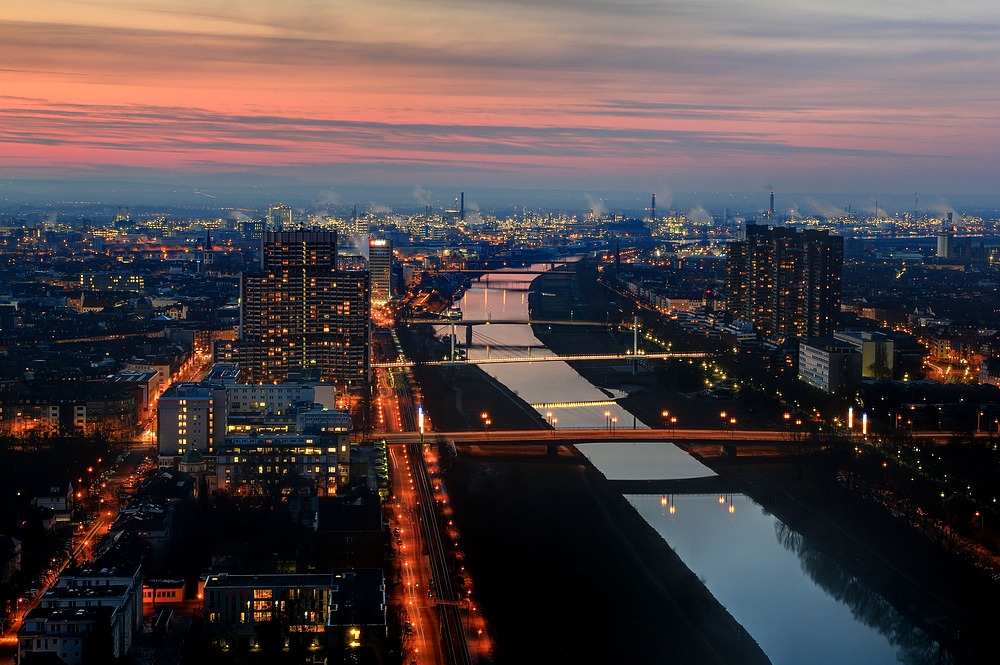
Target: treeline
31, 458
946, 492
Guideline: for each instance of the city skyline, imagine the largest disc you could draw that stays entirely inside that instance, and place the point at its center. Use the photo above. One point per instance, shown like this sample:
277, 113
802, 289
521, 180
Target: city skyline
595, 95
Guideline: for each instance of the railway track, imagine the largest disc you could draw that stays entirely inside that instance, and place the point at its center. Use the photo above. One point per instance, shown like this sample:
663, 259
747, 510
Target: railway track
453, 639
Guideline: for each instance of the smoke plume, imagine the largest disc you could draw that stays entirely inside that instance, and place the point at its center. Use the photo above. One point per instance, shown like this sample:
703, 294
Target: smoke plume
422, 195
699, 215
597, 207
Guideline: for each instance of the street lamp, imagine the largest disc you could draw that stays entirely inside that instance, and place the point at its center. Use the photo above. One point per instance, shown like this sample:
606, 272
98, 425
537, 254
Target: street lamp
488, 422
607, 420
614, 424
732, 426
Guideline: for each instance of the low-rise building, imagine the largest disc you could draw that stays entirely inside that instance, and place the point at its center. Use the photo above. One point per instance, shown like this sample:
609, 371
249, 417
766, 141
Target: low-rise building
58, 497
989, 372
106, 597
145, 384
262, 460
341, 609
357, 609
163, 592
235, 605
829, 364
877, 352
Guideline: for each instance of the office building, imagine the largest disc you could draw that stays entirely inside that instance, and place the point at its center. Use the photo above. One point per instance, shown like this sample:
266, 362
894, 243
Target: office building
877, 352
112, 281
280, 464
345, 608
829, 364
251, 230
270, 399
946, 243
785, 281
279, 218
300, 314
191, 416
380, 268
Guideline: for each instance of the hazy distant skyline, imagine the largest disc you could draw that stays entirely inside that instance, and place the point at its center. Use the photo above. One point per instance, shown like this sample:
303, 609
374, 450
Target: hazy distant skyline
638, 95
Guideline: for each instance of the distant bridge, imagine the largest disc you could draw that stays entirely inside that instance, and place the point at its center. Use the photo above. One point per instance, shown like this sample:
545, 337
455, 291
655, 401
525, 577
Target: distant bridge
496, 322
738, 438
536, 359
564, 437
512, 271
568, 405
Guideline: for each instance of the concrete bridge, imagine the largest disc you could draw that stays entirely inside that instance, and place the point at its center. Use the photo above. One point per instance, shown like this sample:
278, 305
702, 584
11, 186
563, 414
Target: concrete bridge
551, 358
568, 437
737, 439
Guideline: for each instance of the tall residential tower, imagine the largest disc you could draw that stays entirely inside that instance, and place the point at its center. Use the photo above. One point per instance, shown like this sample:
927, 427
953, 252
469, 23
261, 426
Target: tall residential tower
299, 313
785, 281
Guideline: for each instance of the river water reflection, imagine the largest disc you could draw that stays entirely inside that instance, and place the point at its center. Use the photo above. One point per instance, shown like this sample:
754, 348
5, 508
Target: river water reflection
800, 604
797, 602
535, 383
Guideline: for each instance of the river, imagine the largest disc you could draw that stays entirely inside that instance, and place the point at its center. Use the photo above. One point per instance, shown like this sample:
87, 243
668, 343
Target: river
535, 383
798, 602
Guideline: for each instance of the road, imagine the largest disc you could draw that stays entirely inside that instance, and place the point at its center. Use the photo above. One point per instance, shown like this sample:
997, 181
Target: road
85, 540
84, 543
453, 638
414, 566
540, 437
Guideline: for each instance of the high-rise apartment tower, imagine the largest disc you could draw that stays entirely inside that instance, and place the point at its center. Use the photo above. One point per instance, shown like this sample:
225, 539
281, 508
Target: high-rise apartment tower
298, 313
785, 281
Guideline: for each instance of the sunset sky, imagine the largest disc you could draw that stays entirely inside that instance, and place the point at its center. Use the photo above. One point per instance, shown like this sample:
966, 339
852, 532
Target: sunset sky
643, 95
